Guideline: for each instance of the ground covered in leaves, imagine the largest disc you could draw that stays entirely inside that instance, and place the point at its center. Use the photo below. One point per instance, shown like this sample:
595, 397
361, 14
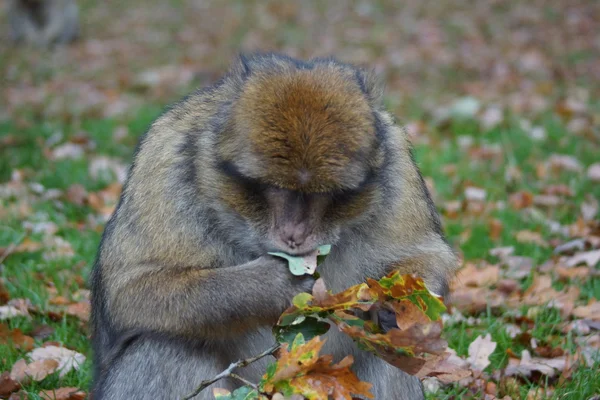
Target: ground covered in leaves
500, 98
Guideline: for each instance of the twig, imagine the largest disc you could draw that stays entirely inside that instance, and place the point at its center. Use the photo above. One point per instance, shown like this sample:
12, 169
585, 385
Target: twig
229, 372
243, 380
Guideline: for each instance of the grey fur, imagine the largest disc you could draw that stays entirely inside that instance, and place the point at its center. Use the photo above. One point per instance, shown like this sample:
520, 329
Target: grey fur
181, 286
43, 22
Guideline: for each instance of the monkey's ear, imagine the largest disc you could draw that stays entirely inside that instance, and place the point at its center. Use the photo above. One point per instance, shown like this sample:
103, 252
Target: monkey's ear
371, 85
241, 67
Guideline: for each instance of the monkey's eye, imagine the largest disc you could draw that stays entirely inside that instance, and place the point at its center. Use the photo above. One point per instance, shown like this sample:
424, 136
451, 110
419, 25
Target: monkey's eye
346, 196
251, 185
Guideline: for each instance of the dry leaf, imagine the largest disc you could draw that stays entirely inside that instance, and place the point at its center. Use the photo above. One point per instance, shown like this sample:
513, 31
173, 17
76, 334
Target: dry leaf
77, 194
80, 310
102, 167
67, 393
565, 163
526, 236
591, 311
9, 311
8, 385
527, 364
520, 200
496, 228
37, 370
593, 172
541, 292
15, 338
314, 376
547, 200
447, 368
69, 150
67, 359
573, 272
470, 275
475, 194
590, 258
589, 208
479, 352
518, 267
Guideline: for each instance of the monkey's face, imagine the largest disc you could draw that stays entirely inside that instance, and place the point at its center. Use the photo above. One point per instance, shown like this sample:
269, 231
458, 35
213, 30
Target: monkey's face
299, 158
292, 221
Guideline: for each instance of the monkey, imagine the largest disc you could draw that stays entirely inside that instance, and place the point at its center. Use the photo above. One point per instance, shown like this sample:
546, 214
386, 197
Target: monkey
280, 155
43, 23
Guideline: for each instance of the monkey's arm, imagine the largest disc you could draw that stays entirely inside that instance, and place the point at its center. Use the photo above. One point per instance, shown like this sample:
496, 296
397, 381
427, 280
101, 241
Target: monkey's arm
205, 303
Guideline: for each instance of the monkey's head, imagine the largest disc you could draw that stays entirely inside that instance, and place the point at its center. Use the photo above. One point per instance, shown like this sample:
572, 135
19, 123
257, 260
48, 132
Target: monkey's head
299, 157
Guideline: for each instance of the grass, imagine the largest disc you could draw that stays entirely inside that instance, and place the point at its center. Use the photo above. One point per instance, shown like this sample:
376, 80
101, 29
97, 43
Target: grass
28, 275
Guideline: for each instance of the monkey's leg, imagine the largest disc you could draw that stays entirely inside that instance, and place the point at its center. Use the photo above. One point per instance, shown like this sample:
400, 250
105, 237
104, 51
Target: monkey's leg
159, 368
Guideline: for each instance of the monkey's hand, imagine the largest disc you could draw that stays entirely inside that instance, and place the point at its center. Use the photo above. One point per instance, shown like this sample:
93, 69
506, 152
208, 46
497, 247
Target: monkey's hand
384, 318
292, 284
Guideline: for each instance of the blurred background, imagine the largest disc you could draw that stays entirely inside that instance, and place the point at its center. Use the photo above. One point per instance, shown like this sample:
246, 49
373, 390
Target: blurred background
499, 97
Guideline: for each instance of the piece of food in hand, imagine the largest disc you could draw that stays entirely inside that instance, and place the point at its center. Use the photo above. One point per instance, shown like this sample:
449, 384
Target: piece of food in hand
306, 264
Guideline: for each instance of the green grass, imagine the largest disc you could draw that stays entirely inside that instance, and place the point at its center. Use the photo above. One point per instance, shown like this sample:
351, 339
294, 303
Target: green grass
27, 275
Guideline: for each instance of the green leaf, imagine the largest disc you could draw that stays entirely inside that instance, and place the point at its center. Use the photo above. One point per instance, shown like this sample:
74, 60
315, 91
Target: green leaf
309, 328
242, 393
298, 341
295, 264
298, 265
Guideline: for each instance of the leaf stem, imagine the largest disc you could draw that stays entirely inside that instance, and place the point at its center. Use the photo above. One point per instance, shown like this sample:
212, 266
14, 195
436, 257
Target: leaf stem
229, 372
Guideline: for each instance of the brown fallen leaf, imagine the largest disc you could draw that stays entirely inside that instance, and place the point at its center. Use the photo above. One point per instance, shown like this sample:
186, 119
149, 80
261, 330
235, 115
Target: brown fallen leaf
541, 293
66, 393
15, 338
80, 310
574, 272
520, 200
447, 368
496, 227
526, 236
23, 372
527, 364
471, 275
470, 300
8, 385
42, 331
4, 295
590, 311
77, 194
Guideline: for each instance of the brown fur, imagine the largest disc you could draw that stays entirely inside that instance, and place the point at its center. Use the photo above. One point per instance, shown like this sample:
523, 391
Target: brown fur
307, 130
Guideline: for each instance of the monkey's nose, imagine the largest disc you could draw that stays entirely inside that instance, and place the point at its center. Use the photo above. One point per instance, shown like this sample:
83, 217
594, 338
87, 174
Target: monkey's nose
293, 235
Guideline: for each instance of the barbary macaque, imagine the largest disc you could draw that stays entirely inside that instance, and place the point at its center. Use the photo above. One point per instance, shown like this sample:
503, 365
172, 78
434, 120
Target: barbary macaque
280, 155
43, 22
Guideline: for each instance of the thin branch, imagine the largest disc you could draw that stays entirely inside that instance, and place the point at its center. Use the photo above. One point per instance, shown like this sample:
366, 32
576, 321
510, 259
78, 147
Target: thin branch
229, 372
243, 380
